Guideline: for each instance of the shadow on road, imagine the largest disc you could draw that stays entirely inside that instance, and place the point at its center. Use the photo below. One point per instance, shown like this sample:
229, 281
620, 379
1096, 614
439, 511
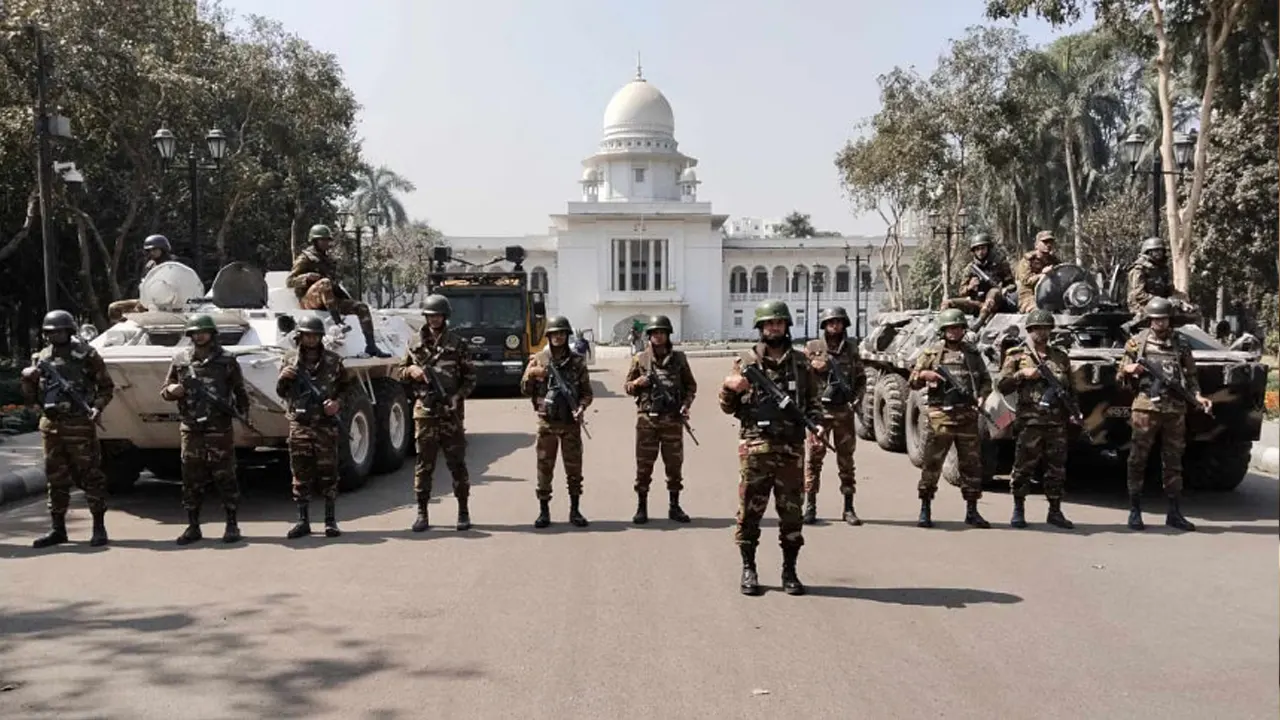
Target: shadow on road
952, 598
1257, 499
600, 390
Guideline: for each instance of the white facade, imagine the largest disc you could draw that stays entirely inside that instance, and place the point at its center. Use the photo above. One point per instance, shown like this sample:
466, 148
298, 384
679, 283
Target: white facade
640, 242
752, 227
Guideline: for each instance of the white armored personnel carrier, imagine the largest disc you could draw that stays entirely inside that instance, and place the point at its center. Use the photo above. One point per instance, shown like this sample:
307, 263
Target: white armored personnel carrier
255, 316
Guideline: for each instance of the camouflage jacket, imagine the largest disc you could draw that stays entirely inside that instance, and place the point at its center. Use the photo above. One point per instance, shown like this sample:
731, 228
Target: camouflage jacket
1030, 392
1030, 270
1173, 356
83, 368
671, 375
844, 359
450, 359
574, 370
763, 424
331, 377
997, 267
310, 263
966, 365
218, 372
1148, 280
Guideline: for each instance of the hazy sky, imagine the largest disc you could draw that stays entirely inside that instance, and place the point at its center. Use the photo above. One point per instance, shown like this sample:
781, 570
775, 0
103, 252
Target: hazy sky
490, 106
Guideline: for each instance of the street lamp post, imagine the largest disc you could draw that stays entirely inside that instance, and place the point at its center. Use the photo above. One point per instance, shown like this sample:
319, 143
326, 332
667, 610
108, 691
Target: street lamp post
1183, 154
858, 310
356, 229
167, 144
818, 283
950, 231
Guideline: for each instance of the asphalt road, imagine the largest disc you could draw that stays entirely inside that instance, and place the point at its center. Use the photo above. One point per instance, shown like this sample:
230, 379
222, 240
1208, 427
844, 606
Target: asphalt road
615, 621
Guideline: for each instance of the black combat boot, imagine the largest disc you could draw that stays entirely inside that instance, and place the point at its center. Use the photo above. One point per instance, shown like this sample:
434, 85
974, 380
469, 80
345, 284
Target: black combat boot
926, 513
99, 536
791, 584
464, 515
57, 535
674, 511
338, 321
575, 515
1019, 519
303, 526
810, 508
1135, 513
1174, 519
544, 514
1055, 516
423, 521
642, 509
370, 346
750, 581
331, 528
972, 517
232, 532
850, 516
192, 533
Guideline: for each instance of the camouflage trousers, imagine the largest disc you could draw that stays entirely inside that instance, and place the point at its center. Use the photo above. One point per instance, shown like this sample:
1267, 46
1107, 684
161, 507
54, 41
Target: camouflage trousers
1172, 430
313, 456
989, 303
1038, 444
117, 310
433, 437
72, 458
763, 469
958, 429
567, 439
839, 428
322, 296
209, 458
654, 436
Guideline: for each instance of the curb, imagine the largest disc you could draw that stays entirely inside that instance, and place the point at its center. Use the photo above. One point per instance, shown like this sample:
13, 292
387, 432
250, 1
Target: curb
1265, 459
19, 484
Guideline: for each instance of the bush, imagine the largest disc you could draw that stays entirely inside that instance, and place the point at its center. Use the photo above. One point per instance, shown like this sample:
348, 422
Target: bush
15, 419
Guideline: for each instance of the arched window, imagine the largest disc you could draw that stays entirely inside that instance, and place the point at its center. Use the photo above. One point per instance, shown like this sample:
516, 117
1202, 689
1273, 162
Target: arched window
759, 279
868, 280
822, 278
799, 278
842, 279
738, 281
538, 280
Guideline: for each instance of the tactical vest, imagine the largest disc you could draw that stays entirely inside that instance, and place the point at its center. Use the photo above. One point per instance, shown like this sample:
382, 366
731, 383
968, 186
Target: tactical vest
835, 386
963, 365
1156, 280
558, 403
70, 364
1167, 356
304, 407
1031, 401
664, 397
444, 357
213, 375
323, 266
760, 414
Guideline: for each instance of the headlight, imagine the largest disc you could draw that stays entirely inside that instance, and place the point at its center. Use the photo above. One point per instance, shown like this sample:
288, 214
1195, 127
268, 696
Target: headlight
513, 342
1081, 295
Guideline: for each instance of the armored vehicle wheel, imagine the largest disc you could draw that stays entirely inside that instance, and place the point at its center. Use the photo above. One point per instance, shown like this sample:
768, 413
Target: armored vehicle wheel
357, 438
395, 426
916, 426
1216, 467
864, 423
122, 463
164, 465
990, 455
890, 407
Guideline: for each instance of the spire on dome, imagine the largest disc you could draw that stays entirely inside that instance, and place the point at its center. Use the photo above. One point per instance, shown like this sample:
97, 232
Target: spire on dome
639, 68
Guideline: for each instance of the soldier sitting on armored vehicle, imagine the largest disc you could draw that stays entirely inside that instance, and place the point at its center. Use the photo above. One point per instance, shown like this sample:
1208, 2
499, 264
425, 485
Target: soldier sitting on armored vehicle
313, 279
158, 251
1150, 277
986, 281
1033, 266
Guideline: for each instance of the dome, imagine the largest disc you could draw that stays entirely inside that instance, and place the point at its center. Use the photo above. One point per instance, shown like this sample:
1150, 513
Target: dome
688, 175
639, 107
590, 175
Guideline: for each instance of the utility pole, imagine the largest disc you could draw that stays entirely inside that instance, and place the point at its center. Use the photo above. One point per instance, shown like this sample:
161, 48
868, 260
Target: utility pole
44, 168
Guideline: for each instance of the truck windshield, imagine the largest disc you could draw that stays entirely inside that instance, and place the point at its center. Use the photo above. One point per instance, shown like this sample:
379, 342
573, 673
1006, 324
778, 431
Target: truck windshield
488, 311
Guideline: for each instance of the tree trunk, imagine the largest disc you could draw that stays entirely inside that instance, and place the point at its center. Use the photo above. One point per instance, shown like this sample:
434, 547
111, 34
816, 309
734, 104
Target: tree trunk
15, 242
1072, 185
86, 274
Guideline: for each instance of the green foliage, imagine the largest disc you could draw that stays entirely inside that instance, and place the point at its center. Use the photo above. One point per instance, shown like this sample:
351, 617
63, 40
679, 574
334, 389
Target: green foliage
796, 225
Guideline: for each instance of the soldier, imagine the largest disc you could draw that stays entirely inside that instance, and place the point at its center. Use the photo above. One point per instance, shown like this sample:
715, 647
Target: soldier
952, 419
313, 280
1156, 411
438, 410
771, 442
977, 296
70, 411
313, 406
841, 381
664, 387
560, 410
206, 382
1042, 428
1149, 277
1032, 267
157, 250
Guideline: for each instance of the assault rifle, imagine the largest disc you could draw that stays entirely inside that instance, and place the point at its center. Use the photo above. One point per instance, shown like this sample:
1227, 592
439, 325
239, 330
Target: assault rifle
569, 393
1056, 390
431, 388
660, 393
761, 382
309, 389
836, 381
193, 386
982, 275
966, 395
59, 384
1160, 382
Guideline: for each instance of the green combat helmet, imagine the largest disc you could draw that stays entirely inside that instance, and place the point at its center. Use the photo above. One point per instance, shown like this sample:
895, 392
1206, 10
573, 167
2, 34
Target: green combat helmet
558, 323
58, 320
201, 323
311, 325
320, 232
1040, 318
1153, 243
950, 318
979, 240
1158, 307
437, 305
772, 310
659, 322
835, 312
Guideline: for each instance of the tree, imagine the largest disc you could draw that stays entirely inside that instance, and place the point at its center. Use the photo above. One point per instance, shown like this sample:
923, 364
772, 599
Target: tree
796, 225
379, 189
1109, 229
400, 260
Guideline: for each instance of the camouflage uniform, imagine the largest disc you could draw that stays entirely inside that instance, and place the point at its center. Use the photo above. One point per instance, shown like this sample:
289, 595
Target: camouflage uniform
559, 432
951, 422
118, 309
1030, 270
208, 437
439, 426
313, 280
313, 435
660, 427
976, 297
837, 418
69, 437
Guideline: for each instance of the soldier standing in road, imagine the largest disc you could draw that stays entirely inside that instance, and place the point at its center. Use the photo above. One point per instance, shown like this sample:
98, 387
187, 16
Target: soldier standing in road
840, 382
158, 251
952, 420
977, 297
313, 408
1032, 267
68, 433
206, 382
314, 280
664, 387
1042, 428
1149, 277
771, 442
440, 373
560, 411
1156, 411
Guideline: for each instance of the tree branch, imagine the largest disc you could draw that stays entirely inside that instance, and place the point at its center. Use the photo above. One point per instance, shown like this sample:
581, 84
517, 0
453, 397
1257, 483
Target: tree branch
9, 248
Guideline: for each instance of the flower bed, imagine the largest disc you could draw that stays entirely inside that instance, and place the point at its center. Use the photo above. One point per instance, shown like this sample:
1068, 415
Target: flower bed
16, 419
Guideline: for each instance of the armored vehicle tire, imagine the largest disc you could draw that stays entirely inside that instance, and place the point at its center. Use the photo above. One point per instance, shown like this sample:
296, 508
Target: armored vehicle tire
890, 406
122, 464
864, 423
357, 435
990, 455
1216, 467
395, 426
916, 425
164, 465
